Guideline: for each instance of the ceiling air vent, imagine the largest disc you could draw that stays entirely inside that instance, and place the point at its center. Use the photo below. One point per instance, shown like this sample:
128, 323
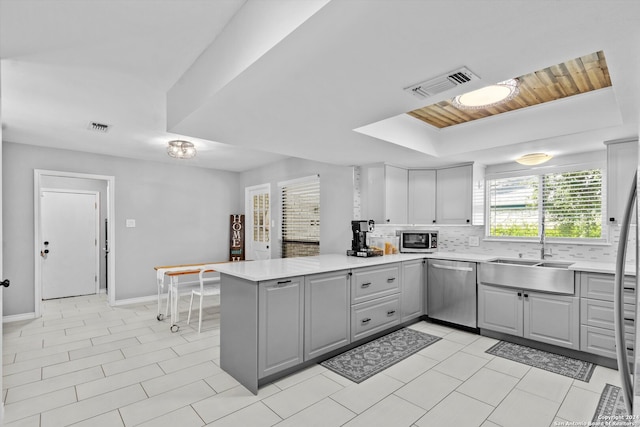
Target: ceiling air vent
441, 83
98, 127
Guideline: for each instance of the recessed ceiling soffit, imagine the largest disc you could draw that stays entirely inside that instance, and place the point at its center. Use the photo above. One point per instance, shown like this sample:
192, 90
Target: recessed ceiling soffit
574, 77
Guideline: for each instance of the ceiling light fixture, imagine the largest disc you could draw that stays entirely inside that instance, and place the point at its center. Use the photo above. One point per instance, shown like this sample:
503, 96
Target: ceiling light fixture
488, 96
534, 159
181, 149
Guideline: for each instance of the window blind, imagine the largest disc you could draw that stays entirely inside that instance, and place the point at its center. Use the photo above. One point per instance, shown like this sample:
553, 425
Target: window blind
301, 218
513, 206
569, 204
573, 204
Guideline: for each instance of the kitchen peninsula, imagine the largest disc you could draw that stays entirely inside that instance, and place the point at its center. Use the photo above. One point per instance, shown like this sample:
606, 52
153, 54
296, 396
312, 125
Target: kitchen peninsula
279, 315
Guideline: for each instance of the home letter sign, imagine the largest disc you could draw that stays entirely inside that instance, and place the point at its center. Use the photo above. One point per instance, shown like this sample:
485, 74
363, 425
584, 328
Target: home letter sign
237, 238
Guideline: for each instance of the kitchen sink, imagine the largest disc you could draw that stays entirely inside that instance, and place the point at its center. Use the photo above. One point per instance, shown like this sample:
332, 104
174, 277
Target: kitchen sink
537, 275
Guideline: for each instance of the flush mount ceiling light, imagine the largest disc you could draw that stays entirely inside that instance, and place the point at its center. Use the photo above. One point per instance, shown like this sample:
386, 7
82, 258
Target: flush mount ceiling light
534, 159
181, 149
488, 96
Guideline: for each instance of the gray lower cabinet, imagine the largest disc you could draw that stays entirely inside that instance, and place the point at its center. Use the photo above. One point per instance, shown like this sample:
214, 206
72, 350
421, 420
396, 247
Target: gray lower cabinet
326, 312
554, 319
368, 283
413, 286
375, 299
280, 325
500, 310
597, 334
374, 316
549, 318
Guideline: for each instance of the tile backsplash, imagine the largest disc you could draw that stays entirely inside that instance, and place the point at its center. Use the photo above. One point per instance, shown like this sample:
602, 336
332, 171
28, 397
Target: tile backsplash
456, 239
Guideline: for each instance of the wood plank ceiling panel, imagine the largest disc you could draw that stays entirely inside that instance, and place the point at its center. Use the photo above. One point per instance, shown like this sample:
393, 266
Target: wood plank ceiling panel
579, 75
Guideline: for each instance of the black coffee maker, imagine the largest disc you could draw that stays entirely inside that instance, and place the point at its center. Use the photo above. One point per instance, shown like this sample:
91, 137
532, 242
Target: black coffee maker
359, 245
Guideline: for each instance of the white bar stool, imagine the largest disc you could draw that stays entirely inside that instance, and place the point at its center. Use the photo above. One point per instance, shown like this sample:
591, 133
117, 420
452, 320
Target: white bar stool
208, 286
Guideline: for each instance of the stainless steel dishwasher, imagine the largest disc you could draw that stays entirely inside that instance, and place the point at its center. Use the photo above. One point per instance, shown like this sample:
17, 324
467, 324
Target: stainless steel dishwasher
451, 292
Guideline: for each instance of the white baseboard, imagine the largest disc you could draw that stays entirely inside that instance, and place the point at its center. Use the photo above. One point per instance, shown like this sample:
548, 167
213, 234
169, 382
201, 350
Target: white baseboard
18, 317
137, 300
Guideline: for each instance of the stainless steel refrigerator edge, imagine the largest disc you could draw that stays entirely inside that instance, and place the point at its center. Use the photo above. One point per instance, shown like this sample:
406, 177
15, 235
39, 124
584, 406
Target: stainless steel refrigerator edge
452, 292
627, 368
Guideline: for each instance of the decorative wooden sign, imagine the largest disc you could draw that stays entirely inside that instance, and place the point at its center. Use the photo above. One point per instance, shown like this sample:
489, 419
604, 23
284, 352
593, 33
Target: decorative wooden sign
236, 250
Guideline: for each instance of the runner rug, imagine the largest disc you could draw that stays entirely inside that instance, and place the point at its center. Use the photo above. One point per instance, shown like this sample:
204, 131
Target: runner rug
563, 365
611, 408
366, 360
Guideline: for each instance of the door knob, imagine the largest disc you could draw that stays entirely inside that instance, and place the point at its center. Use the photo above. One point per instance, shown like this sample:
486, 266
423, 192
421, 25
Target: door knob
5, 283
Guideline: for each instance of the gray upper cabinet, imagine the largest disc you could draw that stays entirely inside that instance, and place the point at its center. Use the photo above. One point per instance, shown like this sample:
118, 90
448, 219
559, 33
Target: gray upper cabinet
422, 194
622, 162
454, 204
384, 192
327, 312
451, 195
396, 194
413, 285
280, 320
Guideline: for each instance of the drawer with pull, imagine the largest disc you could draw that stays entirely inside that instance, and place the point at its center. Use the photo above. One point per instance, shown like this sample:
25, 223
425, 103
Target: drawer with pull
600, 314
603, 342
369, 283
600, 286
374, 316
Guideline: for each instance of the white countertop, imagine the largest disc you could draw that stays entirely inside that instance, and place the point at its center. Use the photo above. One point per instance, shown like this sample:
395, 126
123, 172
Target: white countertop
289, 267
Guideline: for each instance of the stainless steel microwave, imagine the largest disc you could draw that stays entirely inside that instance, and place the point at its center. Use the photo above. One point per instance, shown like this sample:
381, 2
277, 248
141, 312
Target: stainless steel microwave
418, 240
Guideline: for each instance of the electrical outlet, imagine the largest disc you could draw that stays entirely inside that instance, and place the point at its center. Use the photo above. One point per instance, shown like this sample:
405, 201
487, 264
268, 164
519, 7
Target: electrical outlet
131, 223
474, 241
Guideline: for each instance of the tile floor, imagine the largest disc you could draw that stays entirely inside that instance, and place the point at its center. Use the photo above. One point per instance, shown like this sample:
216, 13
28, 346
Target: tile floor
87, 364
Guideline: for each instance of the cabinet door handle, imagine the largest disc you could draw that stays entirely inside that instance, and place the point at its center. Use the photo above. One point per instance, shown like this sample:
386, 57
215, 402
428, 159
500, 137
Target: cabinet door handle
282, 284
629, 289
628, 319
526, 295
365, 285
391, 279
365, 321
391, 312
519, 294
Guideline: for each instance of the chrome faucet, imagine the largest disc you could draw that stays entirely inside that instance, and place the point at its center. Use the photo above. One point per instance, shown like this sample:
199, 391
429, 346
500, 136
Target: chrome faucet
543, 252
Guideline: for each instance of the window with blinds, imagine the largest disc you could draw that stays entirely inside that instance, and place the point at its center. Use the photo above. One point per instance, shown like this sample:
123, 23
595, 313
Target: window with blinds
569, 204
301, 217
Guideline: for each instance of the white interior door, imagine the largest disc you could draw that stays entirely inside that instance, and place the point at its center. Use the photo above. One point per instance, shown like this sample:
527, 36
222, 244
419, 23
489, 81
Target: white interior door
258, 216
69, 243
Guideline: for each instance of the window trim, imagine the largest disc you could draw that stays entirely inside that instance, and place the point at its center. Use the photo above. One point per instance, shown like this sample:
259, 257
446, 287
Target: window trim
282, 185
540, 171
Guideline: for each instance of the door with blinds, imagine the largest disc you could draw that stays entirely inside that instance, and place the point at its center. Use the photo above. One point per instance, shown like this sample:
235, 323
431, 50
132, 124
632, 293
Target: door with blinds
258, 232
300, 217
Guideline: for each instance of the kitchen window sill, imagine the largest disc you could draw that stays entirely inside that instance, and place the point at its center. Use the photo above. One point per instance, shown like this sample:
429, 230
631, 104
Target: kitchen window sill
576, 242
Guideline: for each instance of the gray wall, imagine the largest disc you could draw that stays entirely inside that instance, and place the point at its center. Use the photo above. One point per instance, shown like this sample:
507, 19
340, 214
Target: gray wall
336, 199
182, 216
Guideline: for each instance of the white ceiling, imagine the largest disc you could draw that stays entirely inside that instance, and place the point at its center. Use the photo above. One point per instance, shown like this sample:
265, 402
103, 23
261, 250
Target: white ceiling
251, 82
